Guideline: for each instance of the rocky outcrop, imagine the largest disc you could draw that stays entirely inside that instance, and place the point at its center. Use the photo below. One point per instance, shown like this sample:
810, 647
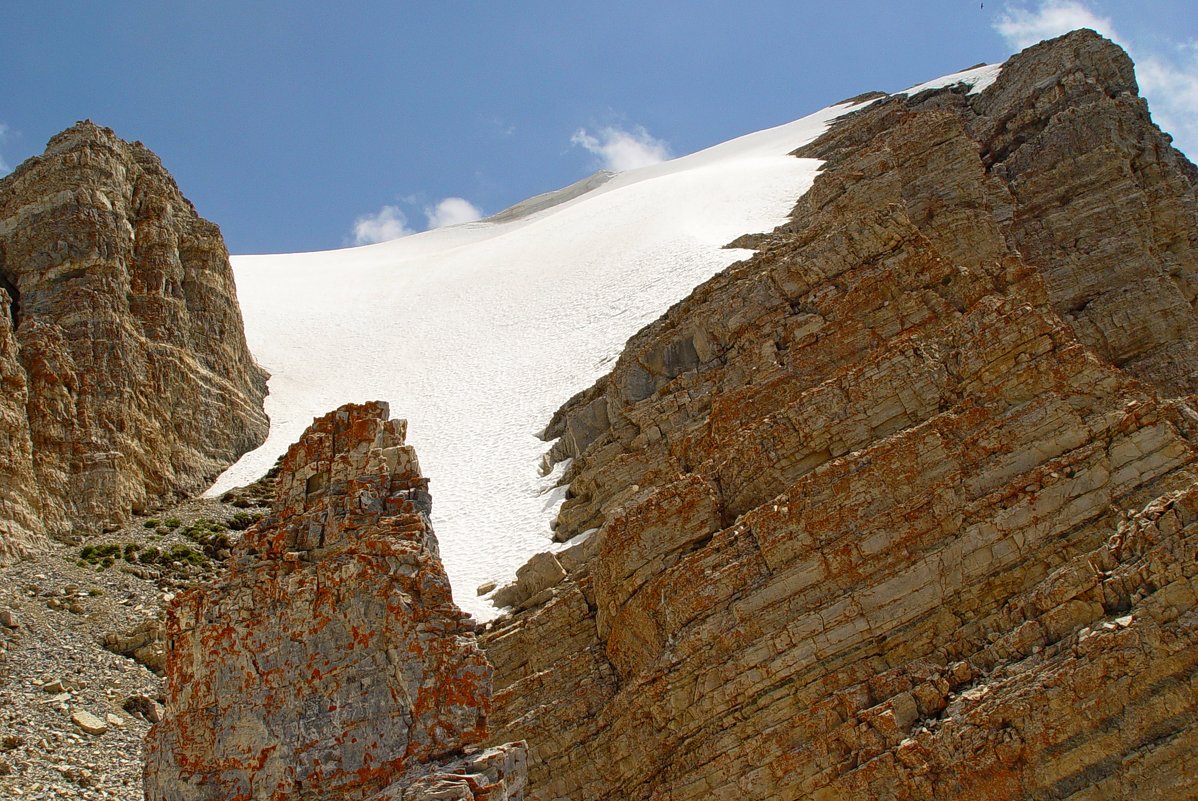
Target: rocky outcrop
145, 644
331, 661
126, 374
20, 497
904, 506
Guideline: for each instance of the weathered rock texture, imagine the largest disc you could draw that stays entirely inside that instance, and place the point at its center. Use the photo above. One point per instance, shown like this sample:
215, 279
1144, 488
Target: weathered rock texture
905, 506
331, 662
123, 360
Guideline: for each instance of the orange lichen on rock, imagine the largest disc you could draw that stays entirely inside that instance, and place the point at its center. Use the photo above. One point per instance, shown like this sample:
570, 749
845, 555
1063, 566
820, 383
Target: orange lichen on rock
331, 661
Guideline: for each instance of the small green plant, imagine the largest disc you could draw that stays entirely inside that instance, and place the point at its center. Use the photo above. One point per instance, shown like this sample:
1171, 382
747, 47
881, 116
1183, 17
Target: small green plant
212, 538
95, 592
152, 522
185, 554
106, 555
173, 522
243, 520
109, 551
203, 528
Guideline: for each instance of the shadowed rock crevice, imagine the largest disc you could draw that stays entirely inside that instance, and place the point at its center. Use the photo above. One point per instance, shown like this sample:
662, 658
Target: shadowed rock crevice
14, 295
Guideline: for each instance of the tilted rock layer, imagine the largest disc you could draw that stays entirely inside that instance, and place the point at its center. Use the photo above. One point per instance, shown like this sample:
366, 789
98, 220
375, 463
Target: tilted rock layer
122, 355
906, 505
331, 662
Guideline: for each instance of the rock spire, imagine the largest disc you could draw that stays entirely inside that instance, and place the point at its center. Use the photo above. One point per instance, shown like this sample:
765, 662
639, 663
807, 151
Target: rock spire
331, 662
127, 380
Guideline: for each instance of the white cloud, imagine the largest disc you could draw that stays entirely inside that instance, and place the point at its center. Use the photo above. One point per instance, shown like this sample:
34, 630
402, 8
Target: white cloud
1168, 77
1023, 28
388, 223
1171, 86
620, 150
452, 211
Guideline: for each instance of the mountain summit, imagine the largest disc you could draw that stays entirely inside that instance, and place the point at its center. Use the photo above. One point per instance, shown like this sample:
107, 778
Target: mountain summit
127, 378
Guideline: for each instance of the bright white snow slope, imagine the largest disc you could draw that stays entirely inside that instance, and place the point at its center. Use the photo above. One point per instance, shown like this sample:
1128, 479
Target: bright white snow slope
478, 333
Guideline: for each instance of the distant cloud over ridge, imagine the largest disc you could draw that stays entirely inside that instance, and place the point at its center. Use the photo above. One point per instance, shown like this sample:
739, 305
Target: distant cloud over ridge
452, 211
389, 222
619, 149
1023, 28
1168, 76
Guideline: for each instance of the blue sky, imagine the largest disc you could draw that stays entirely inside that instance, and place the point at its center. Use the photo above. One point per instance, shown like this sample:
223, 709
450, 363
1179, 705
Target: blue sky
304, 125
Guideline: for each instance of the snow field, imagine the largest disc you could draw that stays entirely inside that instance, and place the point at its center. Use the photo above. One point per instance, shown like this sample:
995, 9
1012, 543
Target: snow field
479, 332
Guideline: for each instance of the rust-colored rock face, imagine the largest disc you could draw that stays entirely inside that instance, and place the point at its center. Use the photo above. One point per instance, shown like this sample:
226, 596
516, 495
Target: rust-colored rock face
331, 662
124, 364
906, 505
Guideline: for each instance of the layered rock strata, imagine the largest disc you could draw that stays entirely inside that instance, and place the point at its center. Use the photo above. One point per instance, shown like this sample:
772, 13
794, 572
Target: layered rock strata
126, 374
331, 661
906, 505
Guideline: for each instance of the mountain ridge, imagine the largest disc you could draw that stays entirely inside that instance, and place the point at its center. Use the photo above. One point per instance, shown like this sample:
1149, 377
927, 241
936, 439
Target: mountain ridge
901, 505
860, 509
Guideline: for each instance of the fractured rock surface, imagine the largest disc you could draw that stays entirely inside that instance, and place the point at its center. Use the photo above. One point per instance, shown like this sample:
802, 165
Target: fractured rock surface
126, 375
331, 661
906, 505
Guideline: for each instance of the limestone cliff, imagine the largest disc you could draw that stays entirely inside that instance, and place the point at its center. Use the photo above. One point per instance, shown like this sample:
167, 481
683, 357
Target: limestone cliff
331, 662
906, 505
122, 354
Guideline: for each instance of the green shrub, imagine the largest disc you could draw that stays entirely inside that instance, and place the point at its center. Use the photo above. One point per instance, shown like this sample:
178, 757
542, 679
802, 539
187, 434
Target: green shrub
243, 520
182, 553
109, 552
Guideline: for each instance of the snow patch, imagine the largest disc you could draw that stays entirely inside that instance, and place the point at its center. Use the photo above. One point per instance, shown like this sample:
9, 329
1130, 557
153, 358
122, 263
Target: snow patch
977, 78
479, 332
